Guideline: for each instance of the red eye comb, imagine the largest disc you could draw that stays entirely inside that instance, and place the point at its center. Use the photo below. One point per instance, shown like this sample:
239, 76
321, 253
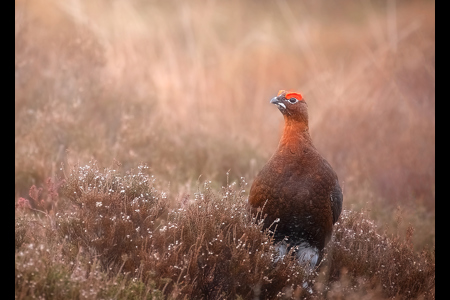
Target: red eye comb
290, 95
297, 96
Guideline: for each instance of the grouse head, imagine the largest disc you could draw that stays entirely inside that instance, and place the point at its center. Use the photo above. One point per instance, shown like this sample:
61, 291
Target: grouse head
292, 106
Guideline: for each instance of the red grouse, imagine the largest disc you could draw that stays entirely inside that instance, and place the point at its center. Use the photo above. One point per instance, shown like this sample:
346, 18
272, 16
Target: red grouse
297, 187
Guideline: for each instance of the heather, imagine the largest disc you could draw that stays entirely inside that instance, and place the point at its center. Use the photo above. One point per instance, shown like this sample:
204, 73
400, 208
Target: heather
116, 236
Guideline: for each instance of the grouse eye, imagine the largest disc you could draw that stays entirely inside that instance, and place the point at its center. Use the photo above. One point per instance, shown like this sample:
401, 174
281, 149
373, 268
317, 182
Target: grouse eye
293, 100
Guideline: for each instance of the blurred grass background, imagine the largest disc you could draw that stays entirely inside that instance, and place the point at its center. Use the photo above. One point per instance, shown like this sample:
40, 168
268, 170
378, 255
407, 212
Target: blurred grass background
184, 86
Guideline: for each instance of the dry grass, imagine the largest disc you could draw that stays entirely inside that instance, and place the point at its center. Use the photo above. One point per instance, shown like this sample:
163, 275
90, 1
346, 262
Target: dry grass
117, 238
183, 87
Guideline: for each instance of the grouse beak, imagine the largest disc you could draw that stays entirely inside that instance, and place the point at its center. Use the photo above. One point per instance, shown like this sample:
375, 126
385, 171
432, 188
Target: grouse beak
278, 103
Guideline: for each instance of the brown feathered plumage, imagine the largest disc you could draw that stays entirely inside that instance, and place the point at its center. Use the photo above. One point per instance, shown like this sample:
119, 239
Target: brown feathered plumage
298, 187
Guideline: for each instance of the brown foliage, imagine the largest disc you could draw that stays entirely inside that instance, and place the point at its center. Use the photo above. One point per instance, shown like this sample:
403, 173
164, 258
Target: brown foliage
207, 246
